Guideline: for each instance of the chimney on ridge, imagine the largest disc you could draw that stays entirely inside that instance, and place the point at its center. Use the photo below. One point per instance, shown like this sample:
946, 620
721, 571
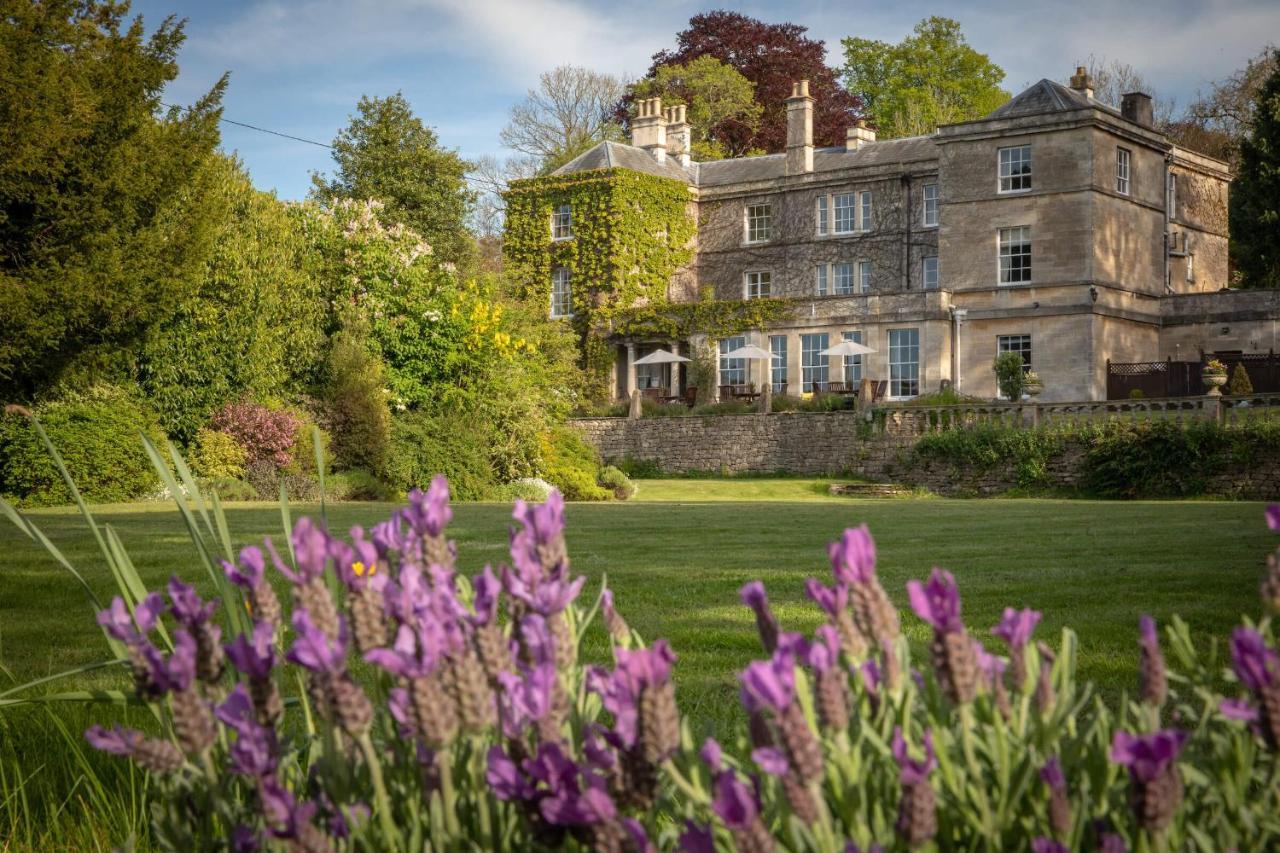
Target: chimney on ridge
1136, 107
679, 134
1082, 82
799, 129
649, 129
858, 136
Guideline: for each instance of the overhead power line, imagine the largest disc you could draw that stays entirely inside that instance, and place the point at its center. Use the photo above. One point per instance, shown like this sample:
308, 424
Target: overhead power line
471, 178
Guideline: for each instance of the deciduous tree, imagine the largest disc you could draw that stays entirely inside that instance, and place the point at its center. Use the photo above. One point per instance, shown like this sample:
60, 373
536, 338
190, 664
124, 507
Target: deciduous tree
721, 101
569, 112
931, 77
104, 224
387, 154
772, 57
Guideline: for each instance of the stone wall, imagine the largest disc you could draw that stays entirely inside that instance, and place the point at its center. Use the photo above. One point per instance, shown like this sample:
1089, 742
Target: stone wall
800, 443
840, 443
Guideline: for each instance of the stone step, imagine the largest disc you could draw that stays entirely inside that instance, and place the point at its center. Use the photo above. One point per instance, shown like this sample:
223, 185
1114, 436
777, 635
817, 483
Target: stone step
869, 490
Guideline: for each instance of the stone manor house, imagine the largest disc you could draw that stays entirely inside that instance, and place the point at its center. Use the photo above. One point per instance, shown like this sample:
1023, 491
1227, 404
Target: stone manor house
1067, 230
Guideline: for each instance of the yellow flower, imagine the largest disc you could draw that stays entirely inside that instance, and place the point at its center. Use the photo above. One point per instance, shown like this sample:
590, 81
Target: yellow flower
359, 568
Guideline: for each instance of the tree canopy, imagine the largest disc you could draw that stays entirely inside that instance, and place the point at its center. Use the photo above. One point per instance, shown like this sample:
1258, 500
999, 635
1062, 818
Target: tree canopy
104, 220
721, 101
387, 154
931, 77
771, 57
569, 112
1255, 195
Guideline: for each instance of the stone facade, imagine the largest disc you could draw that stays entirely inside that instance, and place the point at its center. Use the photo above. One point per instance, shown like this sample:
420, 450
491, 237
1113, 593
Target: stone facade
1119, 223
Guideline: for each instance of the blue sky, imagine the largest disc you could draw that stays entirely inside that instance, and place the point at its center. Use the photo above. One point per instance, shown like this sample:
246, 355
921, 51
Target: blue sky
300, 66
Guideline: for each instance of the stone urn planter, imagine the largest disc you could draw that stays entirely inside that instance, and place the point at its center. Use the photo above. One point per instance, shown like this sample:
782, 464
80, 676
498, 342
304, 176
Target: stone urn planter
1213, 381
1033, 386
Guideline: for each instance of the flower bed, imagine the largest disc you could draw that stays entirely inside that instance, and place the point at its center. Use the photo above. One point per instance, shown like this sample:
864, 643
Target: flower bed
476, 723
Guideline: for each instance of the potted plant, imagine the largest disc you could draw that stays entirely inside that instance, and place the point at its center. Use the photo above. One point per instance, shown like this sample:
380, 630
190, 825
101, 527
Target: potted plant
1214, 376
1031, 384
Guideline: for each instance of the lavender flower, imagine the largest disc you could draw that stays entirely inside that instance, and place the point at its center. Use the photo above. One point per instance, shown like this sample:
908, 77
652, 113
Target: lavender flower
131, 628
697, 839
738, 807
613, 621
769, 683
256, 657
1156, 787
253, 753
1059, 808
937, 601
1258, 669
251, 576
831, 689
313, 650
954, 660
289, 819
1272, 513
1016, 628
832, 599
1048, 845
193, 613
753, 595
332, 688
158, 756
917, 809
1153, 685
853, 557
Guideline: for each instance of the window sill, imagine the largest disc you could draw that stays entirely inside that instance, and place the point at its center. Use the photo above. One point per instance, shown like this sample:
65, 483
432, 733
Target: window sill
1014, 192
562, 239
745, 243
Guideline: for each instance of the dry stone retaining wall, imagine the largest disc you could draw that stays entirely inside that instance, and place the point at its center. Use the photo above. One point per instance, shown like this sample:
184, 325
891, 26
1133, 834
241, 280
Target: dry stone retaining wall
800, 443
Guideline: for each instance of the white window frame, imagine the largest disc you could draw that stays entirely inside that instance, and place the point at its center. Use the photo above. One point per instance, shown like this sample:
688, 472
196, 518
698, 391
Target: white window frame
754, 224
1191, 267
561, 293
778, 363
850, 207
926, 263
814, 367
1005, 271
1124, 170
1171, 196
842, 270
821, 279
562, 223
736, 367
1020, 344
757, 284
822, 215
865, 219
929, 205
865, 273
906, 383
1007, 180
853, 363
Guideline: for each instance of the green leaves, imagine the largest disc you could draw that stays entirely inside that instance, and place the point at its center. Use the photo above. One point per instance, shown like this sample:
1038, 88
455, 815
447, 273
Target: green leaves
931, 77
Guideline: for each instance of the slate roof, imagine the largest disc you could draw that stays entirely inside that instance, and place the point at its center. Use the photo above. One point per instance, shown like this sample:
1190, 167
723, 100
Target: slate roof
741, 170
1046, 96
616, 155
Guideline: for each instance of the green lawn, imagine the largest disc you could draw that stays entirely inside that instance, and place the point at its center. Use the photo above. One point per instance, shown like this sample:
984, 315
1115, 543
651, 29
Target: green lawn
678, 554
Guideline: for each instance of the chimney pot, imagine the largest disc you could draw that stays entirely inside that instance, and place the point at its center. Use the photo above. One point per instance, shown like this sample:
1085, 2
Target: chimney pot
1082, 82
859, 135
649, 130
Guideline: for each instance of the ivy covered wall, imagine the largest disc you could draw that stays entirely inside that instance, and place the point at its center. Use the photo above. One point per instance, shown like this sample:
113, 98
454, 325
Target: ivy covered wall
633, 233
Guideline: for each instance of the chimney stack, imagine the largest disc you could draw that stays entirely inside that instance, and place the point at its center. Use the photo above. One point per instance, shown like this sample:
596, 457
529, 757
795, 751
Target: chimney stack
858, 136
649, 129
679, 134
1136, 107
799, 129
1082, 82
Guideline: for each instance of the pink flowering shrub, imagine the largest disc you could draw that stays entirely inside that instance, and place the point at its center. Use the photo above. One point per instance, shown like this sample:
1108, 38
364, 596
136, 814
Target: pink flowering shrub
264, 433
475, 724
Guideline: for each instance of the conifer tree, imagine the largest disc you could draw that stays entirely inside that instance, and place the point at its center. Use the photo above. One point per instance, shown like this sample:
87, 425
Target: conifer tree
1255, 194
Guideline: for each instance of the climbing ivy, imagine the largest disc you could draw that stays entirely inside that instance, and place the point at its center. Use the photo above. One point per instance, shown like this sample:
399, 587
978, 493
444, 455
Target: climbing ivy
632, 233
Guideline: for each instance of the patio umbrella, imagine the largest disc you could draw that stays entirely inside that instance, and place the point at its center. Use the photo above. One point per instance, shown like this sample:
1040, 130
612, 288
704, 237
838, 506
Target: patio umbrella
750, 351
847, 348
661, 356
